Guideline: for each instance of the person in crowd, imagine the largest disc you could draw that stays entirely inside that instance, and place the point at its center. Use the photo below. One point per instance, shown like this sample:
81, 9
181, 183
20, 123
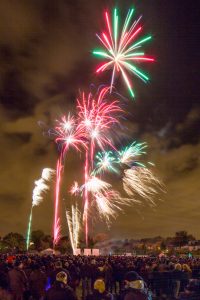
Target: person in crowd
37, 282
135, 288
60, 290
99, 291
93, 272
118, 271
58, 267
167, 277
74, 272
186, 276
85, 277
155, 280
4, 294
177, 277
192, 291
17, 281
108, 276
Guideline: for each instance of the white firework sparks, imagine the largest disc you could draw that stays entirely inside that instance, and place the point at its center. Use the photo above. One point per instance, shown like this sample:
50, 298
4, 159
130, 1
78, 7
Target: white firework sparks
73, 222
141, 181
48, 174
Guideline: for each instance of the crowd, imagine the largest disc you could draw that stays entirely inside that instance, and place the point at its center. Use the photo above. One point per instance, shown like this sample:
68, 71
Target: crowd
34, 277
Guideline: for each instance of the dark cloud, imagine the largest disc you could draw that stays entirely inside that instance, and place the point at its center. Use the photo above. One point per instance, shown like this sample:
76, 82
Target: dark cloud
11, 199
19, 138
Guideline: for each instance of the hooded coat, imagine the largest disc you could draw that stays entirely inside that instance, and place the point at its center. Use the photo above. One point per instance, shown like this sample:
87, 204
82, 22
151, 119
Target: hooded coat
60, 292
135, 288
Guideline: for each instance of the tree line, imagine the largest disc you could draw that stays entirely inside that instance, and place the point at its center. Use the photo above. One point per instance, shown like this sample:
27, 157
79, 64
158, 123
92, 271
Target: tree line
16, 242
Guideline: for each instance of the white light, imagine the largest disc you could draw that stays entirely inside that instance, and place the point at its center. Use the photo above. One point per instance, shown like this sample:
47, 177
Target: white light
94, 134
69, 140
88, 123
67, 126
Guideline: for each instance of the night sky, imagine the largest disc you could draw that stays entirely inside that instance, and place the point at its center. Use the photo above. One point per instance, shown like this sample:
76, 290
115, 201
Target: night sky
45, 58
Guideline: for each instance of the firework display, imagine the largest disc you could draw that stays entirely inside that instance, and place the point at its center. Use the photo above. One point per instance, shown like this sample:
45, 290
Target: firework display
106, 161
106, 200
68, 135
74, 225
140, 181
122, 49
114, 161
96, 116
91, 132
41, 187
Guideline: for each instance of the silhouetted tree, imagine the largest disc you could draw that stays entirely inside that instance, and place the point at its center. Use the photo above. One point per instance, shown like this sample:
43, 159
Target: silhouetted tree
182, 238
36, 238
64, 245
163, 245
14, 240
47, 242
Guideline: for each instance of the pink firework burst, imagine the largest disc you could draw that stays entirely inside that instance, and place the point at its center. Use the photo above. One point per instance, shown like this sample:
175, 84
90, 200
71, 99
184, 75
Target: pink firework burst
68, 134
96, 116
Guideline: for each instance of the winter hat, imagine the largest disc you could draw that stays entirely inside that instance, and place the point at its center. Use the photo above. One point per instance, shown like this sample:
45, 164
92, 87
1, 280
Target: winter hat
99, 285
132, 276
62, 277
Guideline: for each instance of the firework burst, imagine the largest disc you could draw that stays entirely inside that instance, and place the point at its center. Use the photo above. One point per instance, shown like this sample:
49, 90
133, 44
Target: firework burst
105, 161
128, 155
96, 117
138, 180
122, 49
105, 199
68, 135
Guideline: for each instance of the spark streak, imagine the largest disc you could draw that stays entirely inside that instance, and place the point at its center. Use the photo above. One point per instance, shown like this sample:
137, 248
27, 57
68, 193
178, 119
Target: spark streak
73, 221
41, 187
140, 181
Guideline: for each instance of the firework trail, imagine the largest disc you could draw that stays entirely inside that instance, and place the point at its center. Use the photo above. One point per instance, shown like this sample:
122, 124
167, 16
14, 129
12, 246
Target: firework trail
48, 174
85, 215
106, 200
128, 155
73, 222
96, 116
29, 229
57, 226
68, 134
95, 185
141, 181
41, 187
121, 49
74, 190
99, 192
